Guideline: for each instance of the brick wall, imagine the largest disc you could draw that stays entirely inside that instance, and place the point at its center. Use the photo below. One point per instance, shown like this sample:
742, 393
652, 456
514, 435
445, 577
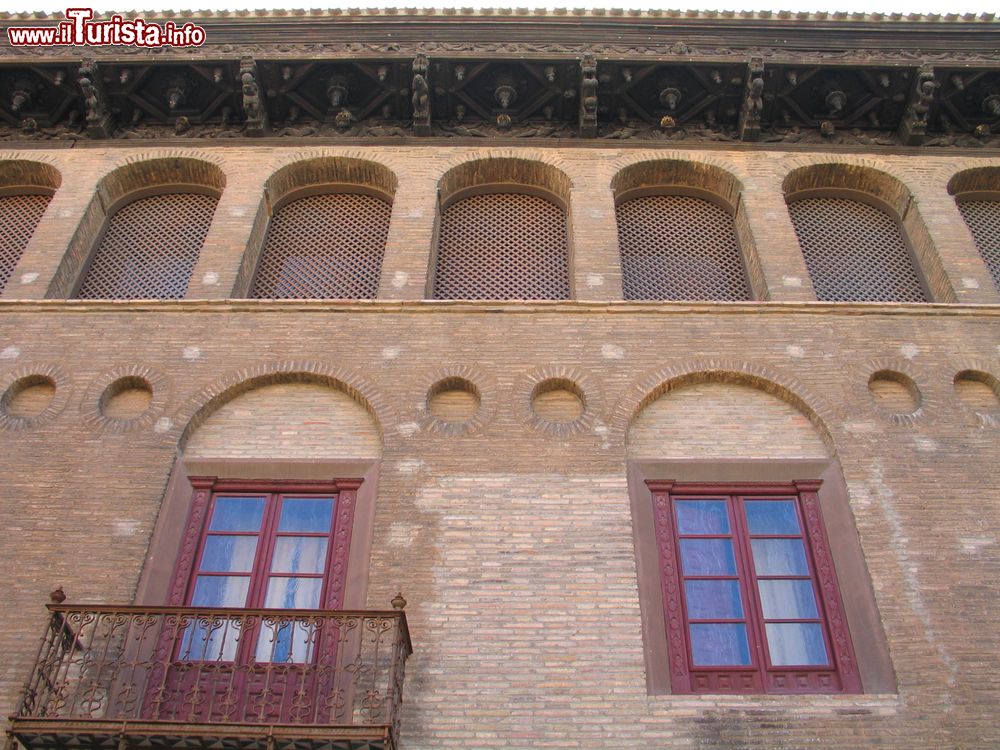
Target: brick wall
513, 539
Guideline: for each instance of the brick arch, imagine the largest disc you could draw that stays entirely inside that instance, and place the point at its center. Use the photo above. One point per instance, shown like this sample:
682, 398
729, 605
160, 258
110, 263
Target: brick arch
857, 174
170, 153
648, 388
346, 166
694, 158
980, 178
31, 175
686, 173
543, 156
949, 169
198, 408
507, 168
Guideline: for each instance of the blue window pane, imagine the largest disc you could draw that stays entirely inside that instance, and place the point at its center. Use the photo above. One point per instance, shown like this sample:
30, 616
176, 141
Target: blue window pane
299, 554
788, 599
702, 517
779, 557
720, 645
708, 557
220, 591
772, 517
237, 514
293, 593
310, 514
229, 554
795, 644
713, 600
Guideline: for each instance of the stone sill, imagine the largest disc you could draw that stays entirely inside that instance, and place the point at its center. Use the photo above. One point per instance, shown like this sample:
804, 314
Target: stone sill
562, 307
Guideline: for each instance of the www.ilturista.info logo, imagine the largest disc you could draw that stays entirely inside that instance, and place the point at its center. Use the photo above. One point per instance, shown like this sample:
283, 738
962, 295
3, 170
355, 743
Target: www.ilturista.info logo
132, 32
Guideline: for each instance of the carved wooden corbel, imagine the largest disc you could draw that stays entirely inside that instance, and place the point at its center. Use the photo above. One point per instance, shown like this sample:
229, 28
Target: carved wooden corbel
753, 102
588, 97
913, 126
95, 100
253, 102
421, 95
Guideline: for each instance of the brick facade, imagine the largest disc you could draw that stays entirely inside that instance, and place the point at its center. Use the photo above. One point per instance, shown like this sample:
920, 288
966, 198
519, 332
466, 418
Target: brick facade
512, 537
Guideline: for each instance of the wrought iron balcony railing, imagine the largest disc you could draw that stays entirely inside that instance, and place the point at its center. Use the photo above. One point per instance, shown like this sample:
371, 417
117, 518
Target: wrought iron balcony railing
244, 679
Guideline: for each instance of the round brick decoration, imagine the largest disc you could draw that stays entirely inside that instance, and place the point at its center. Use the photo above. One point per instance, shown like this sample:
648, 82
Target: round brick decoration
978, 391
28, 397
127, 398
453, 400
895, 392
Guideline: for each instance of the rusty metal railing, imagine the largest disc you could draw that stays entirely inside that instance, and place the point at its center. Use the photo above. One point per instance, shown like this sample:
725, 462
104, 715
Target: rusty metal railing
292, 674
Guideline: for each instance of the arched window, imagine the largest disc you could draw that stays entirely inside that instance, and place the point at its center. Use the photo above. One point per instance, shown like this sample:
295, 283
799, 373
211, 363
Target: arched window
324, 223
855, 252
679, 247
850, 224
977, 193
25, 191
142, 232
326, 246
149, 248
502, 232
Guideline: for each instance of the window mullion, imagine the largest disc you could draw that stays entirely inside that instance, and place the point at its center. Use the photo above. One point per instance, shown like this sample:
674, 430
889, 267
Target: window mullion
748, 583
262, 565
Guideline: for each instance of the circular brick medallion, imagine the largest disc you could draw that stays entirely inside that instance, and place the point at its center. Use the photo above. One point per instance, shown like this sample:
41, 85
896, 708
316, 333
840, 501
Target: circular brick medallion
454, 400
979, 391
126, 399
895, 392
558, 400
28, 397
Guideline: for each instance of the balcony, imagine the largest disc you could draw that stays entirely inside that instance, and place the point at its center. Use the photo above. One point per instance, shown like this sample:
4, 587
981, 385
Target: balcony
232, 679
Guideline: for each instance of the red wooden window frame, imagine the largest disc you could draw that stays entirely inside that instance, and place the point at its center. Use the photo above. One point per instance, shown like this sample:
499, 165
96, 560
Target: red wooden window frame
840, 675
344, 492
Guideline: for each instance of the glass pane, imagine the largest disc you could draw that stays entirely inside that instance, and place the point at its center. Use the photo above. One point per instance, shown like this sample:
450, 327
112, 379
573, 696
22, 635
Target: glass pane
788, 600
306, 514
702, 517
229, 554
220, 591
211, 639
237, 514
720, 645
299, 554
713, 600
708, 557
293, 593
772, 517
796, 643
779, 557
283, 640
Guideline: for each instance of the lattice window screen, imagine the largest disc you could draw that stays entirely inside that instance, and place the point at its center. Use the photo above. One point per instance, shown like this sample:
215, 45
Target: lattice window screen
502, 246
324, 247
983, 218
19, 215
675, 247
150, 248
854, 252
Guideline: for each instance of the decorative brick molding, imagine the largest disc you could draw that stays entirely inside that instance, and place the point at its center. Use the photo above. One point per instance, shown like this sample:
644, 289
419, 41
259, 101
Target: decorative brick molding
44, 372
927, 403
284, 160
961, 175
206, 401
862, 174
585, 387
91, 408
649, 387
485, 388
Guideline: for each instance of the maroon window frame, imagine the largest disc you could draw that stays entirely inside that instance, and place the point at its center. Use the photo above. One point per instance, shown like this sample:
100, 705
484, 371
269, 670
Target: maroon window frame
839, 673
207, 489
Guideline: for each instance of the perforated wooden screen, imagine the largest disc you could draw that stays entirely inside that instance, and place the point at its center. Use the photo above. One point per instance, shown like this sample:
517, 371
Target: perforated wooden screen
675, 247
502, 246
150, 248
983, 218
324, 247
854, 252
19, 215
